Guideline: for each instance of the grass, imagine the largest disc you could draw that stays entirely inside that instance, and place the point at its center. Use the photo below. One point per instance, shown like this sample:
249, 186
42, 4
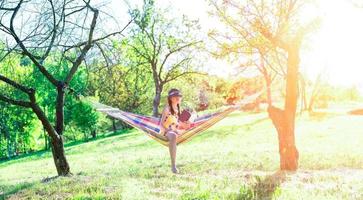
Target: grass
235, 159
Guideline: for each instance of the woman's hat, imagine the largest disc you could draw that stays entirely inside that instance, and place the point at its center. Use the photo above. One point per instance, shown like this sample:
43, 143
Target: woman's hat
174, 93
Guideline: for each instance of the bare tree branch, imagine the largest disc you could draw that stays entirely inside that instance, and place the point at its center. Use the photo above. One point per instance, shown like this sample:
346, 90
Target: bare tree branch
25, 50
15, 84
24, 104
85, 49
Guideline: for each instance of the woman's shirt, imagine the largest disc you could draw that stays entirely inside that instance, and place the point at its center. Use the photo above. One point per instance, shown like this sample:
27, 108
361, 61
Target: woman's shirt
169, 121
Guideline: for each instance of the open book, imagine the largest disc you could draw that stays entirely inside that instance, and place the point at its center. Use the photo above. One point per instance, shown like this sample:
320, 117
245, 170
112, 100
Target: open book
187, 115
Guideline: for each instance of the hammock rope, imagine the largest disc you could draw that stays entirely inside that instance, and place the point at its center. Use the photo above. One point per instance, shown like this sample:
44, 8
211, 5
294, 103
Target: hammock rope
151, 125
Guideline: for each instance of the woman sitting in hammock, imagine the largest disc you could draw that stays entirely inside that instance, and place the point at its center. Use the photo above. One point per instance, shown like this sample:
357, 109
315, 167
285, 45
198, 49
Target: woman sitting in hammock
170, 125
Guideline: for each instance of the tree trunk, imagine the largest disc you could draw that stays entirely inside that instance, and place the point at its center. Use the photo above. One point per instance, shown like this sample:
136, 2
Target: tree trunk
114, 125
267, 79
15, 145
314, 93
94, 134
59, 157
158, 89
288, 152
156, 101
284, 120
59, 126
268, 90
8, 142
45, 140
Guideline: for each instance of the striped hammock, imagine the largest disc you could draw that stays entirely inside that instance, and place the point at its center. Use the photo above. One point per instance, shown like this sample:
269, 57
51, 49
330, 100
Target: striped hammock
151, 125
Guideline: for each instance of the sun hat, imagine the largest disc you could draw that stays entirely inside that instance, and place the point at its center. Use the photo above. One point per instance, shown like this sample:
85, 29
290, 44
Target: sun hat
174, 93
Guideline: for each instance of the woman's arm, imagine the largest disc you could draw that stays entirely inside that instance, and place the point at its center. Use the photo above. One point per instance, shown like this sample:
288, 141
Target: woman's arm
184, 125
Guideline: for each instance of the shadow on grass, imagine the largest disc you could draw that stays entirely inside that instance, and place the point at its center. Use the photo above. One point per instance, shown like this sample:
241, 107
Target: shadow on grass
7, 191
10, 190
265, 188
49, 179
270, 185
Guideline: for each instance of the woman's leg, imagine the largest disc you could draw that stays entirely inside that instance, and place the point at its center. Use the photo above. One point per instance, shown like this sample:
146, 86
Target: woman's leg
172, 149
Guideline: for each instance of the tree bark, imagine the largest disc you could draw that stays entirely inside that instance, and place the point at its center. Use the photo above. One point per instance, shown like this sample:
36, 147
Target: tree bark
15, 145
289, 154
284, 120
59, 157
314, 93
8, 142
263, 70
156, 101
59, 126
114, 125
267, 78
94, 134
45, 140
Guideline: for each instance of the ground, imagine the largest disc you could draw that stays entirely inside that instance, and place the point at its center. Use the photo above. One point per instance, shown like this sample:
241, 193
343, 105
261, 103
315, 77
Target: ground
235, 159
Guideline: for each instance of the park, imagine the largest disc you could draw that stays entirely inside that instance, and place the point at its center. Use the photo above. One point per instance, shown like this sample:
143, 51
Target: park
161, 99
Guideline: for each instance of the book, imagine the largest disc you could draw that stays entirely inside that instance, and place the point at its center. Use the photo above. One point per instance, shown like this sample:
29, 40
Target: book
185, 116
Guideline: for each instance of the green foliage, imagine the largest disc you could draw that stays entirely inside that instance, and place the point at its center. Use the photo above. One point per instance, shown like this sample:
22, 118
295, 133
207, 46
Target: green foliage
17, 128
245, 193
20, 130
17, 125
244, 86
199, 90
166, 45
84, 117
143, 18
127, 87
327, 94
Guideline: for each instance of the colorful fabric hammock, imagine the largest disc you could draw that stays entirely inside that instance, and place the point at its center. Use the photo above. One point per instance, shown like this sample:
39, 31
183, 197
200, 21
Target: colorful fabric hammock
151, 125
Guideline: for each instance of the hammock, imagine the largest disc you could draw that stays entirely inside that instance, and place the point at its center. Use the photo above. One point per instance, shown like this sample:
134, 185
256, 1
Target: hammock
151, 125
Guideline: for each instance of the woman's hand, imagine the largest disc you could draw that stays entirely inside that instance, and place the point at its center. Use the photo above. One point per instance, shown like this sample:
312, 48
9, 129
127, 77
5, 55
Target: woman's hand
162, 129
184, 125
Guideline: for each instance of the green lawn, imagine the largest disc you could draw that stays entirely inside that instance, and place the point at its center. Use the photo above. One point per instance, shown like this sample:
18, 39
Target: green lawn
235, 159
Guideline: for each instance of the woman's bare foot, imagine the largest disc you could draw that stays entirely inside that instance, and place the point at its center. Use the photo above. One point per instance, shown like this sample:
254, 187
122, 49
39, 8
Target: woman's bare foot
175, 170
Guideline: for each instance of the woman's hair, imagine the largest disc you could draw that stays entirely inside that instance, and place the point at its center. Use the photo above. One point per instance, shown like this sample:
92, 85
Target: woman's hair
170, 104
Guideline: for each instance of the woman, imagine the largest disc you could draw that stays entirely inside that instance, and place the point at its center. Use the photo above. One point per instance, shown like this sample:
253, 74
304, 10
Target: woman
171, 127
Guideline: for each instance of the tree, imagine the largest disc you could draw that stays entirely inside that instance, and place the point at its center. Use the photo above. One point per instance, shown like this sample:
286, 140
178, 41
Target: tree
85, 118
243, 39
243, 86
271, 30
16, 125
165, 45
126, 82
315, 91
54, 30
122, 80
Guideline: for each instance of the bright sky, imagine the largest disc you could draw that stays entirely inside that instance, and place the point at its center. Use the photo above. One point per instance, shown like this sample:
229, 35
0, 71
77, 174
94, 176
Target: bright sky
337, 46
